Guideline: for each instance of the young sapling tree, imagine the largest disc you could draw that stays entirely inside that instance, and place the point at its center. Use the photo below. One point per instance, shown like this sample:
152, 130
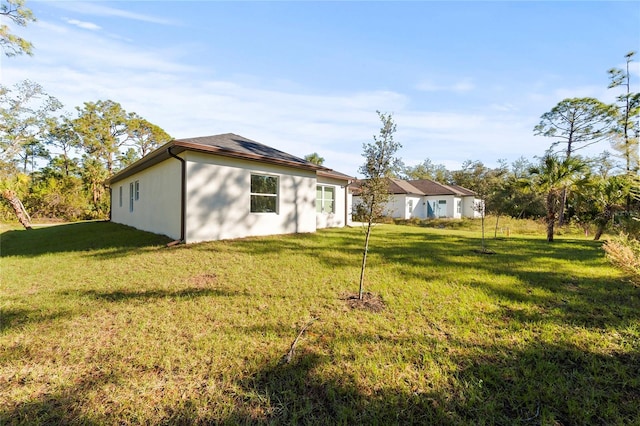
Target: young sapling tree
380, 161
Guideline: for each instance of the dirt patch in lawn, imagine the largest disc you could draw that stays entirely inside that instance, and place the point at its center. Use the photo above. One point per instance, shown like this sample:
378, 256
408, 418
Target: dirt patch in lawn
203, 280
369, 302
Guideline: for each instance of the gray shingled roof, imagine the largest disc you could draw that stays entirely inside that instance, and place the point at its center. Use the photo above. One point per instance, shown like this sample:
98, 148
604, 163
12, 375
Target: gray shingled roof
430, 187
238, 144
399, 186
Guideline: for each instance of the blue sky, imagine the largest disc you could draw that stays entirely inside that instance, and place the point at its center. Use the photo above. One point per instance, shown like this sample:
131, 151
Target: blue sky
463, 80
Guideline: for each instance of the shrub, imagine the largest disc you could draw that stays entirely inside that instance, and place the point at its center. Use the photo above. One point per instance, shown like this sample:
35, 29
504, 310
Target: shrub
624, 252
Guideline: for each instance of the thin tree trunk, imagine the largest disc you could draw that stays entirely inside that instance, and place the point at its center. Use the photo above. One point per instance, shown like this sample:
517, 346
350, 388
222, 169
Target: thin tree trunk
599, 232
551, 216
602, 225
18, 208
364, 260
482, 221
563, 202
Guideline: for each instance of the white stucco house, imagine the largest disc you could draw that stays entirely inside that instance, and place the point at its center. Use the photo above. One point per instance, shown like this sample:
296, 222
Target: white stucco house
227, 186
427, 199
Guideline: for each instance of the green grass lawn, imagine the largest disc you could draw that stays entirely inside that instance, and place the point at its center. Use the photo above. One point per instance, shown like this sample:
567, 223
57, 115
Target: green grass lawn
102, 324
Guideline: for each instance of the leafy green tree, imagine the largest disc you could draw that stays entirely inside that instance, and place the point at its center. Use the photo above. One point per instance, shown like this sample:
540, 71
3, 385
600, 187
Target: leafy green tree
550, 178
101, 131
576, 123
470, 175
24, 112
94, 173
427, 170
106, 133
314, 158
517, 198
606, 196
144, 136
60, 136
31, 151
55, 195
379, 163
490, 189
20, 15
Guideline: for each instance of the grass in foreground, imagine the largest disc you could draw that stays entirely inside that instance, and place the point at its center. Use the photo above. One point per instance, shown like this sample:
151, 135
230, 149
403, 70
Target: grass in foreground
102, 324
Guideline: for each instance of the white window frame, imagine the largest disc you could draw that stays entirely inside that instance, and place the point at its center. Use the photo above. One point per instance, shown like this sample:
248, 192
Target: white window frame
410, 204
137, 190
275, 195
323, 199
459, 207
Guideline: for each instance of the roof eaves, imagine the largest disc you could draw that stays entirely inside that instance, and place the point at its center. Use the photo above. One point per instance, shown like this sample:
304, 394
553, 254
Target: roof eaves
149, 160
334, 174
225, 152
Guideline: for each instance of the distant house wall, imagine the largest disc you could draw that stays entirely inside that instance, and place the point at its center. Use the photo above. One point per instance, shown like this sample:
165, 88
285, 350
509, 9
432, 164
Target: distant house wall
469, 205
219, 199
415, 207
396, 206
156, 208
335, 217
400, 206
440, 206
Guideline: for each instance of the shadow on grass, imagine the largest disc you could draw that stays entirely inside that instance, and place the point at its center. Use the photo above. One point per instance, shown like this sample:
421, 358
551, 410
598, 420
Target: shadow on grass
295, 394
187, 293
541, 384
62, 407
116, 239
15, 317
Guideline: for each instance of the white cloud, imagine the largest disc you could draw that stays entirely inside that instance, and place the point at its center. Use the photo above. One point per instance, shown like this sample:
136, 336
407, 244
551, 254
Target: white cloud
84, 25
462, 86
97, 9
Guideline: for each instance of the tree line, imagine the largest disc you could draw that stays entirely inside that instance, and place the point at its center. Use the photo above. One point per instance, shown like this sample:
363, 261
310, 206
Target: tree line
57, 164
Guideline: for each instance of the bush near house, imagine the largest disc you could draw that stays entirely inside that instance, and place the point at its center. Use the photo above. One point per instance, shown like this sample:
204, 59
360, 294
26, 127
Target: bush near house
102, 324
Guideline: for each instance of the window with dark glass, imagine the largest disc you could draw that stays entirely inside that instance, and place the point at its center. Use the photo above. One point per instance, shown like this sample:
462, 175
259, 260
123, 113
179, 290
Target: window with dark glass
264, 194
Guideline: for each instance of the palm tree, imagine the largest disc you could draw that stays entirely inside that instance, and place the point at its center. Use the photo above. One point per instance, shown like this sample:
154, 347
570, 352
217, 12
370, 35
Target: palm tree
314, 158
609, 195
550, 178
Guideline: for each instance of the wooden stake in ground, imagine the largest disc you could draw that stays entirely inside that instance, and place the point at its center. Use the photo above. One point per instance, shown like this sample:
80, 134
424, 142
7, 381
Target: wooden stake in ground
286, 359
18, 208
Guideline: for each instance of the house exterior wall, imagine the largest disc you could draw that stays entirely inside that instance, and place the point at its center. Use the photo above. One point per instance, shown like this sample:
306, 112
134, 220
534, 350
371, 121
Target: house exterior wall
417, 207
396, 206
219, 200
435, 209
341, 204
469, 209
157, 208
